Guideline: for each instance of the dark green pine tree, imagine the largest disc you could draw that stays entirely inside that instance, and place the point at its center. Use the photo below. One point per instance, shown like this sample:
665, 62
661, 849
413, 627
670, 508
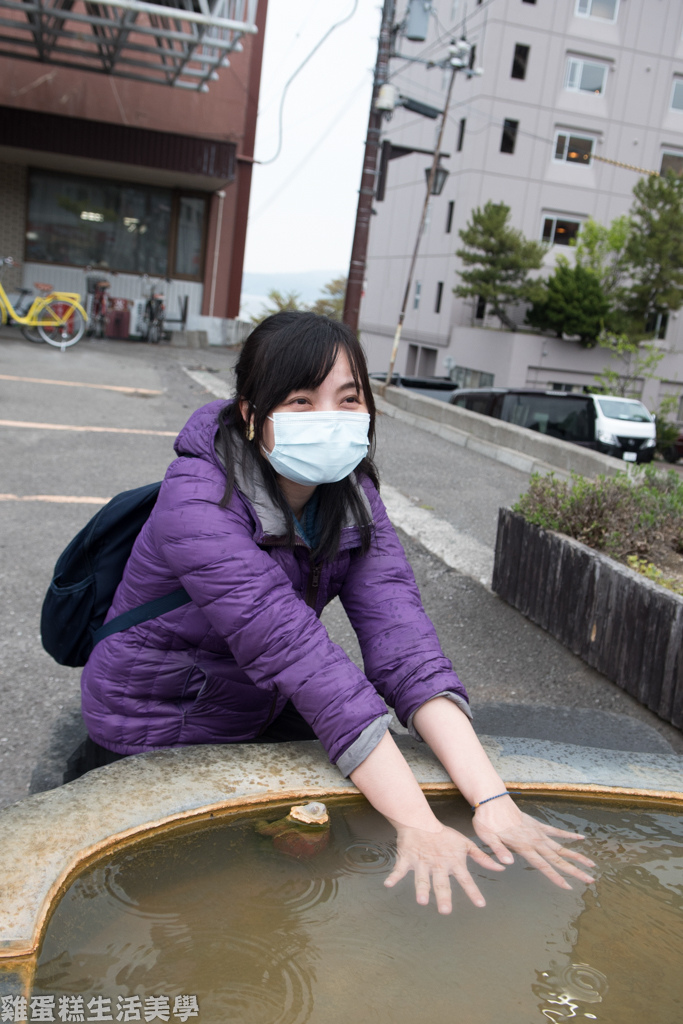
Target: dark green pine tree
654, 249
573, 304
498, 259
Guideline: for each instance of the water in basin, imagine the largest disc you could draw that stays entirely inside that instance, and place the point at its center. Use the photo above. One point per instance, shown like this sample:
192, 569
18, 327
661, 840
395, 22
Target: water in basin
259, 935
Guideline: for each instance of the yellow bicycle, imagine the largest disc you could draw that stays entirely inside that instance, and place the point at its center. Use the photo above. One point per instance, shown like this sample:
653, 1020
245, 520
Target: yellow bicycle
55, 317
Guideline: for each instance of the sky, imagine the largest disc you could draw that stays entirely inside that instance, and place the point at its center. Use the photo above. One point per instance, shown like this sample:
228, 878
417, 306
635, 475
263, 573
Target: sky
303, 205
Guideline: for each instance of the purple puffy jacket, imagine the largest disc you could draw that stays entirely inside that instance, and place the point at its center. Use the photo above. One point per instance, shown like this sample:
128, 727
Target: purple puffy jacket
219, 669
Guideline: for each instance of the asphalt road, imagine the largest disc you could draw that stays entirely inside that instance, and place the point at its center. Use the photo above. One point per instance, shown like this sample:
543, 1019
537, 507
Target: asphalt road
508, 664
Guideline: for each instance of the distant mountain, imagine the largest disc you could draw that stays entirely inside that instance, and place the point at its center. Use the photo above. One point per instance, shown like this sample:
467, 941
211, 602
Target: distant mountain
308, 284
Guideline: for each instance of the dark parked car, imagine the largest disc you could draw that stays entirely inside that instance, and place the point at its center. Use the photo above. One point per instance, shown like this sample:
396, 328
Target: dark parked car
675, 451
433, 387
616, 426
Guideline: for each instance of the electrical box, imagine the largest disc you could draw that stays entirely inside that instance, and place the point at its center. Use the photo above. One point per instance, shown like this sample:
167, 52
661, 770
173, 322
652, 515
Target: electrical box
417, 20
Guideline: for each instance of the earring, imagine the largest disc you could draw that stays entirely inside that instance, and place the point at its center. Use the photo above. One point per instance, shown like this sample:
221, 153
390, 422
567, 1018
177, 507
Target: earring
250, 431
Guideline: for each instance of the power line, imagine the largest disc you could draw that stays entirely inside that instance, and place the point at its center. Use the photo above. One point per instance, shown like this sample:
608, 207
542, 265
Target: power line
446, 34
349, 101
296, 72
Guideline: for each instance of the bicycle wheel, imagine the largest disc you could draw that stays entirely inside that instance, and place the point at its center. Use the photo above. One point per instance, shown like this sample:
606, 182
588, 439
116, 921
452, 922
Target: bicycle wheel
153, 333
61, 324
32, 334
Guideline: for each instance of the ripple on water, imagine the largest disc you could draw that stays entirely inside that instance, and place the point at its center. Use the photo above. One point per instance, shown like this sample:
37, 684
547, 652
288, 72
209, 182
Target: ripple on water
263, 984
568, 986
366, 857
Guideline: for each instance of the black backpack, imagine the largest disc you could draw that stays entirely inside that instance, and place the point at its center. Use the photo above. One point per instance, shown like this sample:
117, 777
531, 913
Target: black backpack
87, 574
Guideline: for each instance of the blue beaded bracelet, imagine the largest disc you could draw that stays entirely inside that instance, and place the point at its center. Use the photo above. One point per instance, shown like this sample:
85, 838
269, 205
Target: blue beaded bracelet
474, 806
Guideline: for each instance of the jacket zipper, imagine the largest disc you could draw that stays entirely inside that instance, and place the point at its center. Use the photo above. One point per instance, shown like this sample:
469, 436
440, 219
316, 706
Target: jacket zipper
313, 583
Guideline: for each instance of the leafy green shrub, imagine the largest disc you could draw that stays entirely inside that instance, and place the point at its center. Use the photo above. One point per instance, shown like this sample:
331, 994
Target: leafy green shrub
619, 515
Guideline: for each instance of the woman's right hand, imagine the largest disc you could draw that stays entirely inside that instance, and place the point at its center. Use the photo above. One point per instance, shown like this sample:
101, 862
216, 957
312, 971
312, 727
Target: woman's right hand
433, 857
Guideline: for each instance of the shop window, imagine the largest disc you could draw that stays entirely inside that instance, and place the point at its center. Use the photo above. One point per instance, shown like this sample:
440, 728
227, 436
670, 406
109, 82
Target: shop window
135, 229
449, 217
559, 231
520, 61
439, 296
585, 76
509, 136
574, 149
461, 134
606, 9
677, 95
671, 162
191, 229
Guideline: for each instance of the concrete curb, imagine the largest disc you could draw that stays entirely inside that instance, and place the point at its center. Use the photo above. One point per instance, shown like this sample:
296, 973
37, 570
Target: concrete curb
522, 449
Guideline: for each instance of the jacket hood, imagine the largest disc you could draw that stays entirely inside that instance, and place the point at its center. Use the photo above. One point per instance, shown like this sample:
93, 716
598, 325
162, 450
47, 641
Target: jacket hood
199, 433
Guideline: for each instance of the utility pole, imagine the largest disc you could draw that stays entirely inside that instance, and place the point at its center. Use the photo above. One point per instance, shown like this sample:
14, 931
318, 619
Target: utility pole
354, 285
457, 62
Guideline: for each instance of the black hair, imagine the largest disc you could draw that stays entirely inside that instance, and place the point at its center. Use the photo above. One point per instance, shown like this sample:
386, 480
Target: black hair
287, 352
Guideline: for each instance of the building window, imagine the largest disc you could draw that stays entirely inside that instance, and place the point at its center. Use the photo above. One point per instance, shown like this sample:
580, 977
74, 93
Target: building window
190, 231
606, 9
559, 231
657, 324
461, 134
520, 61
439, 295
677, 95
509, 136
449, 216
464, 377
480, 311
574, 149
671, 162
585, 76
416, 297
135, 229
528, 1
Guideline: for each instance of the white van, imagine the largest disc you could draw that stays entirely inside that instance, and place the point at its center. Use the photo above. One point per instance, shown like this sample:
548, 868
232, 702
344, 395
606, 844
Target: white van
616, 426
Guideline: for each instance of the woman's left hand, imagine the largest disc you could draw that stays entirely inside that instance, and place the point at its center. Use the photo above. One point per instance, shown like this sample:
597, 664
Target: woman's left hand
505, 828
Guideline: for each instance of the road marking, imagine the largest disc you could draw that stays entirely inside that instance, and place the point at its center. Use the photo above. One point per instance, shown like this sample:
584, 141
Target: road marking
82, 384
211, 382
88, 430
60, 499
458, 550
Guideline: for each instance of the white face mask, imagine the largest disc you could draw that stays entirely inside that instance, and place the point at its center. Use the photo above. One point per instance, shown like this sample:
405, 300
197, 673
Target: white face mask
318, 447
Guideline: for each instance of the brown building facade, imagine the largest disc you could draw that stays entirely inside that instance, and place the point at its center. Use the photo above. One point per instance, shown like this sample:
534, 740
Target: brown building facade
142, 181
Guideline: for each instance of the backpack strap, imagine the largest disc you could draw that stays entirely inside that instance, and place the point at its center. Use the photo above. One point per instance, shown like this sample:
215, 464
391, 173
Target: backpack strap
144, 612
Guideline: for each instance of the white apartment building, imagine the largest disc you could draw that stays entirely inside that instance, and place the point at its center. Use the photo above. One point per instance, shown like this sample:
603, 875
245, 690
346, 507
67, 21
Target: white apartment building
564, 82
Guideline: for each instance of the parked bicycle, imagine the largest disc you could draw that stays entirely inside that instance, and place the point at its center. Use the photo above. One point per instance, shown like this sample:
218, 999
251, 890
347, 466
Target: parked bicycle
155, 314
55, 317
97, 286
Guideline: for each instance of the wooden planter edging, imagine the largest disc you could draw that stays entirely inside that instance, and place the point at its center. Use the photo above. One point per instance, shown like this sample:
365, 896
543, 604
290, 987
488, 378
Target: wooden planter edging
623, 625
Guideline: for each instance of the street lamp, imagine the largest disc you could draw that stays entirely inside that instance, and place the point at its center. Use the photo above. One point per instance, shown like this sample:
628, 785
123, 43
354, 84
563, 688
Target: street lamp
440, 175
